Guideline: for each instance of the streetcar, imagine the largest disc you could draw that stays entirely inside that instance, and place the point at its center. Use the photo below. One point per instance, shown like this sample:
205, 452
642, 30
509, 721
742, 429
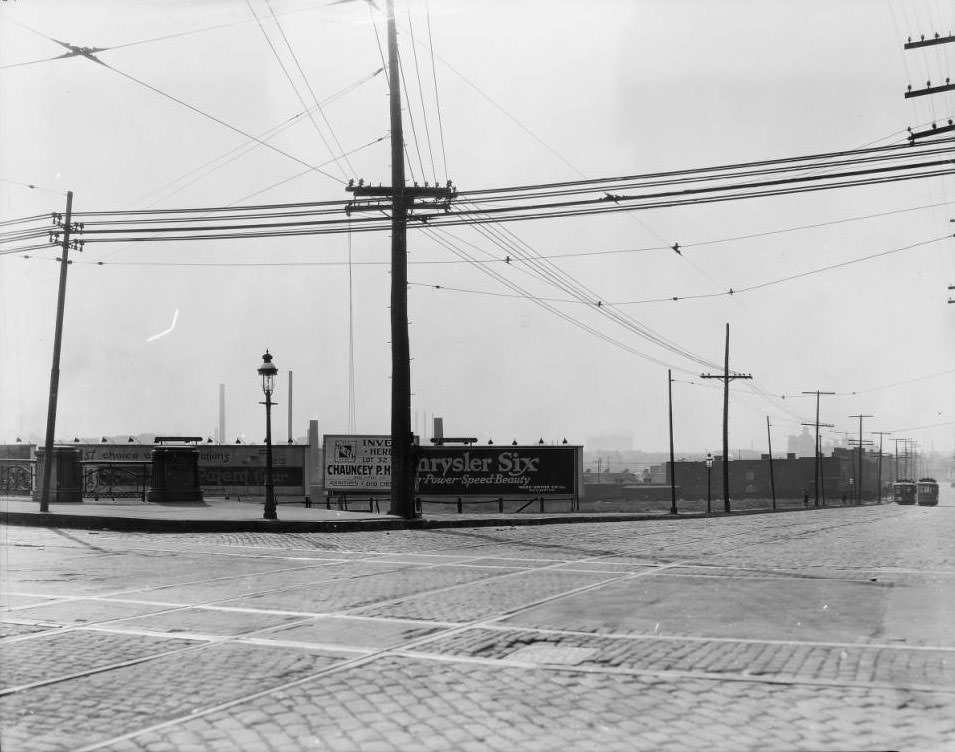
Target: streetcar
904, 492
927, 492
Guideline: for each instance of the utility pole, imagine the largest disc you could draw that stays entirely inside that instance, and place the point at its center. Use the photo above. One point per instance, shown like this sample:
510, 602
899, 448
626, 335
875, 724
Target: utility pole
936, 129
64, 221
880, 434
672, 462
772, 477
861, 450
402, 200
897, 442
726, 378
912, 458
818, 463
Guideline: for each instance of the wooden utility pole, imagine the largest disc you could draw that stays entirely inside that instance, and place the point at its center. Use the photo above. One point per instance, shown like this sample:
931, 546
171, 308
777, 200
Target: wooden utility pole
859, 478
402, 199
772, 477
726, 378
880, 434
66, 222
897, 442
818, 463
672, 462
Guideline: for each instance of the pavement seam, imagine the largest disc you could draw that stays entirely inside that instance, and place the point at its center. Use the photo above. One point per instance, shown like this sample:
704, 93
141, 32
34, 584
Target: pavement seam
674, 673
487, 623
348, 664
111, 595
211, 605
732, 640
217, 640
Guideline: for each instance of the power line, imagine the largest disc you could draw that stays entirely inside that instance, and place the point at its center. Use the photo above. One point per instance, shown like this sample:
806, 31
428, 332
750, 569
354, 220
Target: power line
89, 54
414, 132
424, 112
437, 101
597, 183
308, 84
215, 119
552, 274
556, 311
288, 77
32, 187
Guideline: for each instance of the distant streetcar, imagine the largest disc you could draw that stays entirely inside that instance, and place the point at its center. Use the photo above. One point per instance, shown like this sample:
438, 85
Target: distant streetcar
904, 492
927, 492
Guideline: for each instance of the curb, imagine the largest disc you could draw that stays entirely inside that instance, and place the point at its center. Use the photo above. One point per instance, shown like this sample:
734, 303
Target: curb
147, 525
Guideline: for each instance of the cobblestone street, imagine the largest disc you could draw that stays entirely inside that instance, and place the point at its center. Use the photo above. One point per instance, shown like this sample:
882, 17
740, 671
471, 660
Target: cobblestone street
830, 629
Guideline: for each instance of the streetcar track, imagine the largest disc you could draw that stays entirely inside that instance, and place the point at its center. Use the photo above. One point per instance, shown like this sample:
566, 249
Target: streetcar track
398, 651
656, 565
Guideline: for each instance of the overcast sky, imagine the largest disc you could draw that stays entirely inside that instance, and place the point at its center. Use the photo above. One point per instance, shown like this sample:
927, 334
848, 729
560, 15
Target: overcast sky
516, 92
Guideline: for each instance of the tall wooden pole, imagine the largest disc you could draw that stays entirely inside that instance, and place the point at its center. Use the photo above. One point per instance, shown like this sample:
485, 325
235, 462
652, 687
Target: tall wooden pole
880, 435
818, 450
772, 477
55, 368
726, 423
402, 478
726, 377
402, 199
672, 462
859, 483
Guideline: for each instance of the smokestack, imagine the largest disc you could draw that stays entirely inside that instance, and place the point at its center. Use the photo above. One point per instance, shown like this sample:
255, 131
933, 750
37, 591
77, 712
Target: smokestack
221, 436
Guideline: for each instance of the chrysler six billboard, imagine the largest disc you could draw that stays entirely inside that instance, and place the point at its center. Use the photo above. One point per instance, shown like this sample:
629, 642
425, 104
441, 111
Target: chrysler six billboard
356, 464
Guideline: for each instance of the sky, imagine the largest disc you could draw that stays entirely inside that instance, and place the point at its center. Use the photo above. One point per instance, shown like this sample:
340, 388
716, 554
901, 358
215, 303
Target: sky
496, 94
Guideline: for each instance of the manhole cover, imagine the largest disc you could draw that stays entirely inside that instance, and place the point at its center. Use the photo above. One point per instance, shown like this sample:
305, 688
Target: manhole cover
553, 654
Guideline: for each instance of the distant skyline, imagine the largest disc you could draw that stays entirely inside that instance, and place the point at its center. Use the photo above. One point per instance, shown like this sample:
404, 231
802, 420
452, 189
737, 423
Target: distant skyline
849, 287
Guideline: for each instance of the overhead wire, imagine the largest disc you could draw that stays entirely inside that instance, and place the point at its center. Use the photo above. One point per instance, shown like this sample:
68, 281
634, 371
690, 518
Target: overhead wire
468, 213
229, 156
33, 186
302, 173
437, 100
308, 84
478, 216
557, 312
298, 94
729, 291
552, 274
424, 111
91, 57
218, 120
414, 132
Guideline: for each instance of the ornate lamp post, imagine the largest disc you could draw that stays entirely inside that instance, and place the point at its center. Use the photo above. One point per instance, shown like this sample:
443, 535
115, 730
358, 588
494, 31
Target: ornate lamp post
709, 468
268, 371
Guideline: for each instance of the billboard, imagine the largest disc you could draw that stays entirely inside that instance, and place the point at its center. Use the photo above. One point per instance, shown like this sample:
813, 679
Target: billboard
226, 469
239, 469
357, 464
497, 471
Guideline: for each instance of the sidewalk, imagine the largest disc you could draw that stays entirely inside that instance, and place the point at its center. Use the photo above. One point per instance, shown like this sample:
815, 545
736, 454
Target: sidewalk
221, 515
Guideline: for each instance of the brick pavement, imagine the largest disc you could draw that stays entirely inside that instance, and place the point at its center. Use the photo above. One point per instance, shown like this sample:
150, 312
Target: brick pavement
826, 630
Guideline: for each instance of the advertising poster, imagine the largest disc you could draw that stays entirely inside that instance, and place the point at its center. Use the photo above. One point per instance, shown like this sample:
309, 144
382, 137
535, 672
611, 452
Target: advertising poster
357, 464
497, 471
224, 469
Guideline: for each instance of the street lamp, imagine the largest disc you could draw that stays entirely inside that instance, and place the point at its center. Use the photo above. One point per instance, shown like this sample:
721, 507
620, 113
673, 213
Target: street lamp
709, 468
267, 371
